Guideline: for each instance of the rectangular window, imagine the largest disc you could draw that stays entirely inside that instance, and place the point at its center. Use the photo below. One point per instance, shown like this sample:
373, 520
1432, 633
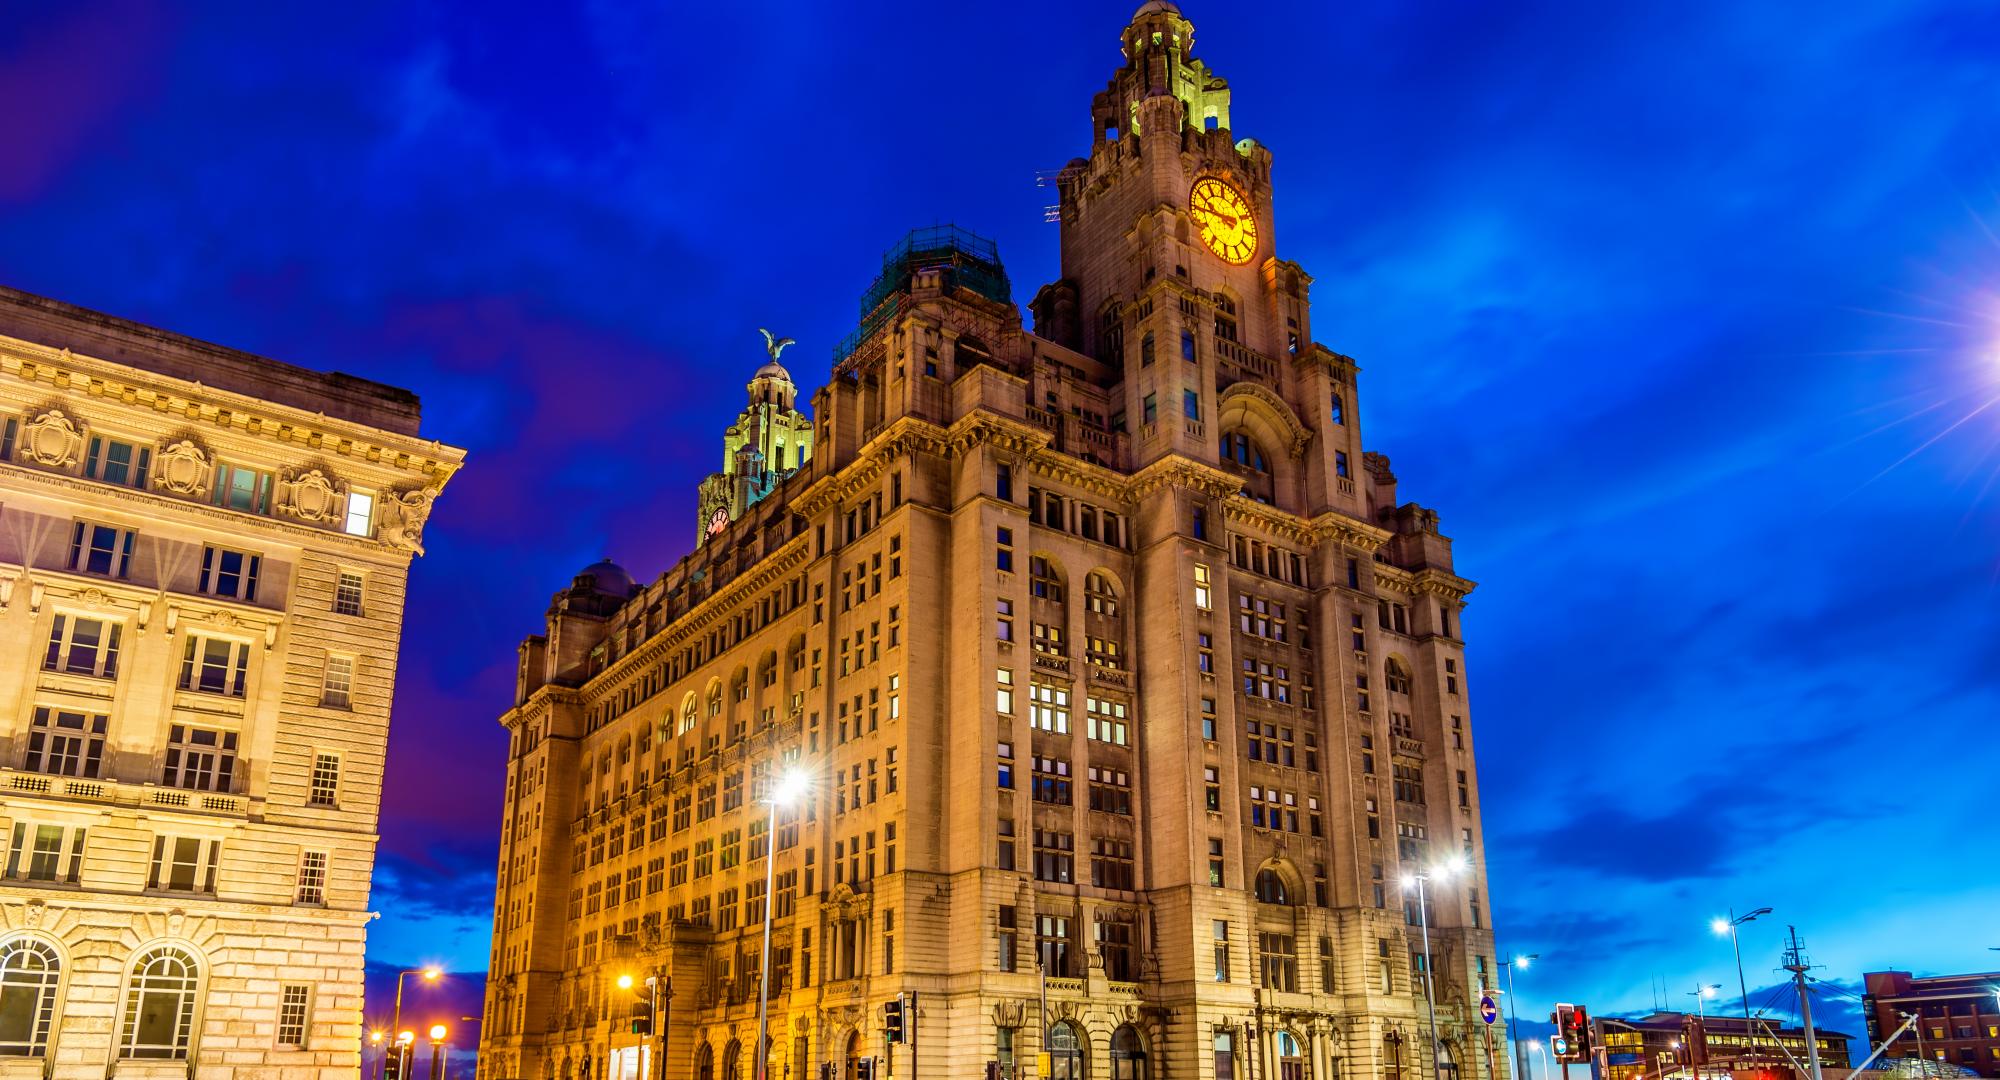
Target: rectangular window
200, 759
239, 487
1204, 595
325, 780
1340, 463
1279, 968
1187, 346
64, 743
184, 864
1048, 706
1004, 695
46, 853
1150, 408
1190, 404
1003, 483
1055, 856
1221, 950
347, 594
117, 462
360, 513
81, 646
1053, 932
1003, 627
230, 574
101, 549
312, 877
1007, 932
214, 665
337, 688
1003, 553
292, 1026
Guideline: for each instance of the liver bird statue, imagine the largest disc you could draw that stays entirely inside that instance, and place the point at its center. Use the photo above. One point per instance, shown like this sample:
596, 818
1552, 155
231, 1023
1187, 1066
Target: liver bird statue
774, 345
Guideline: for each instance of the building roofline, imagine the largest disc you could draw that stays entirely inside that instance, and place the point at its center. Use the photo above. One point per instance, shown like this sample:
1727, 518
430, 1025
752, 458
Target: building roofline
57, 324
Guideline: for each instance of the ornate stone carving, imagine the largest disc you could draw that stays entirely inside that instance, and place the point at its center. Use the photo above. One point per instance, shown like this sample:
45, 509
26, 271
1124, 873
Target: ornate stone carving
403, 516
31, 917
310, 496
51, 439
183, 469
1010, 1014
92, 595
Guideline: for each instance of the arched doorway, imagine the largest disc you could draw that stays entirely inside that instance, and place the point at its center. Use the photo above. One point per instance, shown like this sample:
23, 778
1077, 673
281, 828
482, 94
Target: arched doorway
1128, 1054
1447, 1062
1291, 1057
704, 1063
1069, 1051
850, 1065
732, 1061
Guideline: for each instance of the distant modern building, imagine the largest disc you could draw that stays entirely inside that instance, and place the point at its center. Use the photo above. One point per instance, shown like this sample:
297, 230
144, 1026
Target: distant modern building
1958, 1016
1649, 1045
203, 564
1112, 656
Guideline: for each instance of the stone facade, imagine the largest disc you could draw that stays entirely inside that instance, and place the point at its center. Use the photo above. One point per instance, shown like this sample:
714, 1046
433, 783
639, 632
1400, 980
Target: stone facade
1128, 691
203, 557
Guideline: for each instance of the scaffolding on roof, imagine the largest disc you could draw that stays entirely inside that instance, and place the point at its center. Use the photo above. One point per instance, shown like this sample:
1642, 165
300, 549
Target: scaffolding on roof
968, 261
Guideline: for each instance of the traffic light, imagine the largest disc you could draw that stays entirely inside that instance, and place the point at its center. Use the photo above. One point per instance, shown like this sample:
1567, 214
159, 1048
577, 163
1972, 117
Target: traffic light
397, 1065
826, 1070
892, 1020
641, 1020
992, 1070
1572, 1041
864, 1069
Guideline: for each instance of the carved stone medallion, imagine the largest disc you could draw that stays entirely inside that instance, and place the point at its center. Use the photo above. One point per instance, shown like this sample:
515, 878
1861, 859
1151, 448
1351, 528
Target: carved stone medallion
183, 468
51, 439
311, 497
403, 517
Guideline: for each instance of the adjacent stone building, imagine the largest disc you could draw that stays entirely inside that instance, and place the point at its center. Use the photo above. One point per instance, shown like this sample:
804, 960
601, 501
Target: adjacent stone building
1958, 1017
1128, 690
203, 557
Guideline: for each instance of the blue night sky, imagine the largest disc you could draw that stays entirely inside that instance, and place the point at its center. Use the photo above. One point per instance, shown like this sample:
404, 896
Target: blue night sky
1683, 315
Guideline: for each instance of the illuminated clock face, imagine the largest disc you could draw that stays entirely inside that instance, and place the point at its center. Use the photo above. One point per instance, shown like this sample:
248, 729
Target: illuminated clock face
718, 521
1227, 226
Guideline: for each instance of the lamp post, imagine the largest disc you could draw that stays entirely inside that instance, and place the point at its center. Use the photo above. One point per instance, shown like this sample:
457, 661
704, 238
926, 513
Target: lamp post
437, 1051
789, 788
1728, 926
430, 974
1542, 1051
1420, 880
1513, 1017
1702, 992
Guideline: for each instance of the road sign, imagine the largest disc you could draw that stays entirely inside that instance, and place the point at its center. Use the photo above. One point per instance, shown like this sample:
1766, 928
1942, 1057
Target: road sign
1560, 1045
1488, 1011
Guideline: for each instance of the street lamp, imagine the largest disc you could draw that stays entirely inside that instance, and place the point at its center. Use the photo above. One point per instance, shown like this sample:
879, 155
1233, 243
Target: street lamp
437, 1051
1542, 1052
430, 974
1513, 1017
1447, 868
789, 788
1728, 926
1702, 992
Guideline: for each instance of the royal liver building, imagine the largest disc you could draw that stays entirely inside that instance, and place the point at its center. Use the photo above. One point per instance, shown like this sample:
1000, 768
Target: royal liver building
1127, 693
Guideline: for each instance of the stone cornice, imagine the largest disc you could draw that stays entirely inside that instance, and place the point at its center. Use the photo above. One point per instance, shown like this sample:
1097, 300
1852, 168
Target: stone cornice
1445, 584
1349, 532
243, 415
1177, 471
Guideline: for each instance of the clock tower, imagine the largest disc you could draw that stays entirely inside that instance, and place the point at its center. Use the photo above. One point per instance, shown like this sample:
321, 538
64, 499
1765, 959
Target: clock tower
770, 440
1171, 274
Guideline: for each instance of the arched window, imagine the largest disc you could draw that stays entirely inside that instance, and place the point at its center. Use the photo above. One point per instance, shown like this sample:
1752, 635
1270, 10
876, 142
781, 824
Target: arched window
732, 1061
1399, 677
714, 699
1240, 448
1128, 1054
1068, 1051
1392, 1055
1271, 887
1100, 596
687, 717
29, 972
1291, 1057
704, 1063
159, 1005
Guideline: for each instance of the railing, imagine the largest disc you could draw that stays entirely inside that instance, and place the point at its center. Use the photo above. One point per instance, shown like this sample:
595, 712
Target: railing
1057, 664
123, 794
1109, 676
1244, 357
1409, 746
1068, 986
1345, 484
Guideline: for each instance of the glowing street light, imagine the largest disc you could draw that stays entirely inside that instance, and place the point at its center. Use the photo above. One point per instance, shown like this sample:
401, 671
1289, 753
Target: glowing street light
1513, 1017
1728, 926
1453, 865
787, 790
624, 982
437, 1051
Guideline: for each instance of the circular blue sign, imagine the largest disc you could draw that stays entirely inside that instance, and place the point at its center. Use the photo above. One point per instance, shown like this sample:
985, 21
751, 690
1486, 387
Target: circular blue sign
1488, 1011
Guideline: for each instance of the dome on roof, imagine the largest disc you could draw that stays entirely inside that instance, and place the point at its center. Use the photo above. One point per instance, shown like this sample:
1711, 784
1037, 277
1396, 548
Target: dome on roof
1155, 7
606, 577
773, 370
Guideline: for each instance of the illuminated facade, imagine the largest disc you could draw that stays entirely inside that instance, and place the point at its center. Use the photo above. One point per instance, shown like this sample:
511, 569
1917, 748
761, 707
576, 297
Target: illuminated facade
1958, 1016
203, 558
1121, 673
770, 440
1651, 1046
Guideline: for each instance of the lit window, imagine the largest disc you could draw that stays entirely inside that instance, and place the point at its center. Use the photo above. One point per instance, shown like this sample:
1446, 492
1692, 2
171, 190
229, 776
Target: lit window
200, 759
46, 853
292, 1027
64, 743
360, 512
184, 863
101, 549
1203, 593
30, 971
159, 1005
347, 594
214, 665
312, 877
